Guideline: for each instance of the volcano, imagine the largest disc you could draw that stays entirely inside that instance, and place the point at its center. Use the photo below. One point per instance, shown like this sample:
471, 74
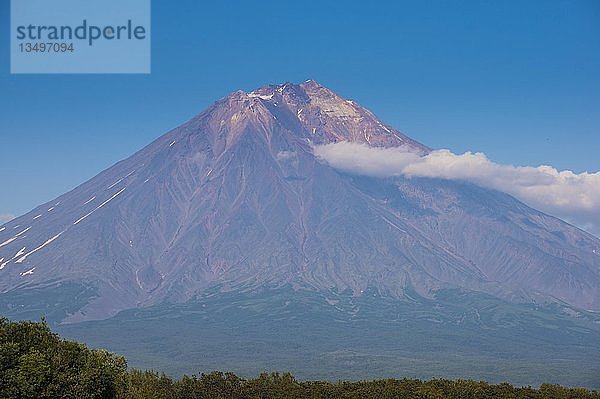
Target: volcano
232, 211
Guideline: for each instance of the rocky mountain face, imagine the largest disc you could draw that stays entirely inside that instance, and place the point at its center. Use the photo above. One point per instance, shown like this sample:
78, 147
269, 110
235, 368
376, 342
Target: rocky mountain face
234, 200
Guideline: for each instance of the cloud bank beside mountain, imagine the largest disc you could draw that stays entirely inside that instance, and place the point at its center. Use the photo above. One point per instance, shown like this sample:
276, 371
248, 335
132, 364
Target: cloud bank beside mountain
574, 197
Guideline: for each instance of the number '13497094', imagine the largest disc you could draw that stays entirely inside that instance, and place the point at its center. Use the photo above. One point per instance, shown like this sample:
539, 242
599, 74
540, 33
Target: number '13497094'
41, 47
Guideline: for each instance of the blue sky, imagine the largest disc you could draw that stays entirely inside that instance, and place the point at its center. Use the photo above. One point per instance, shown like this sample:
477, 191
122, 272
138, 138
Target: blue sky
517, 80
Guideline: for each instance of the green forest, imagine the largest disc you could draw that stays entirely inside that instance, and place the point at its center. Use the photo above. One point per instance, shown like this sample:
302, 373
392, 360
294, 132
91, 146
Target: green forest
37, 363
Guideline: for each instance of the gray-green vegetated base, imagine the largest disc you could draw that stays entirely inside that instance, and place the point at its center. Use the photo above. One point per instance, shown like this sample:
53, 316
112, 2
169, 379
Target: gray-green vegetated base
339, 336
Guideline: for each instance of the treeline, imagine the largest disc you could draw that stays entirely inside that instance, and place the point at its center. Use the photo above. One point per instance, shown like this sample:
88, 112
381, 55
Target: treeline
145, 384
36, 363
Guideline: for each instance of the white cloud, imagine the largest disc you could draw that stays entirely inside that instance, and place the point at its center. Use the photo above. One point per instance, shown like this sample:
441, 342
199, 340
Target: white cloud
570, 196
5, 217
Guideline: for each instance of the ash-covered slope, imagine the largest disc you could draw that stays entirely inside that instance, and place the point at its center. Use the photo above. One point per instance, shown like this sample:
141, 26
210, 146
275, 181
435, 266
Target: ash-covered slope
234, 199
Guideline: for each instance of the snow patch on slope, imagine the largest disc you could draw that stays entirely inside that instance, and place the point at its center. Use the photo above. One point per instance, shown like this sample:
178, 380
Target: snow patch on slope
8, 241
22, 258
99, 206
28, 272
